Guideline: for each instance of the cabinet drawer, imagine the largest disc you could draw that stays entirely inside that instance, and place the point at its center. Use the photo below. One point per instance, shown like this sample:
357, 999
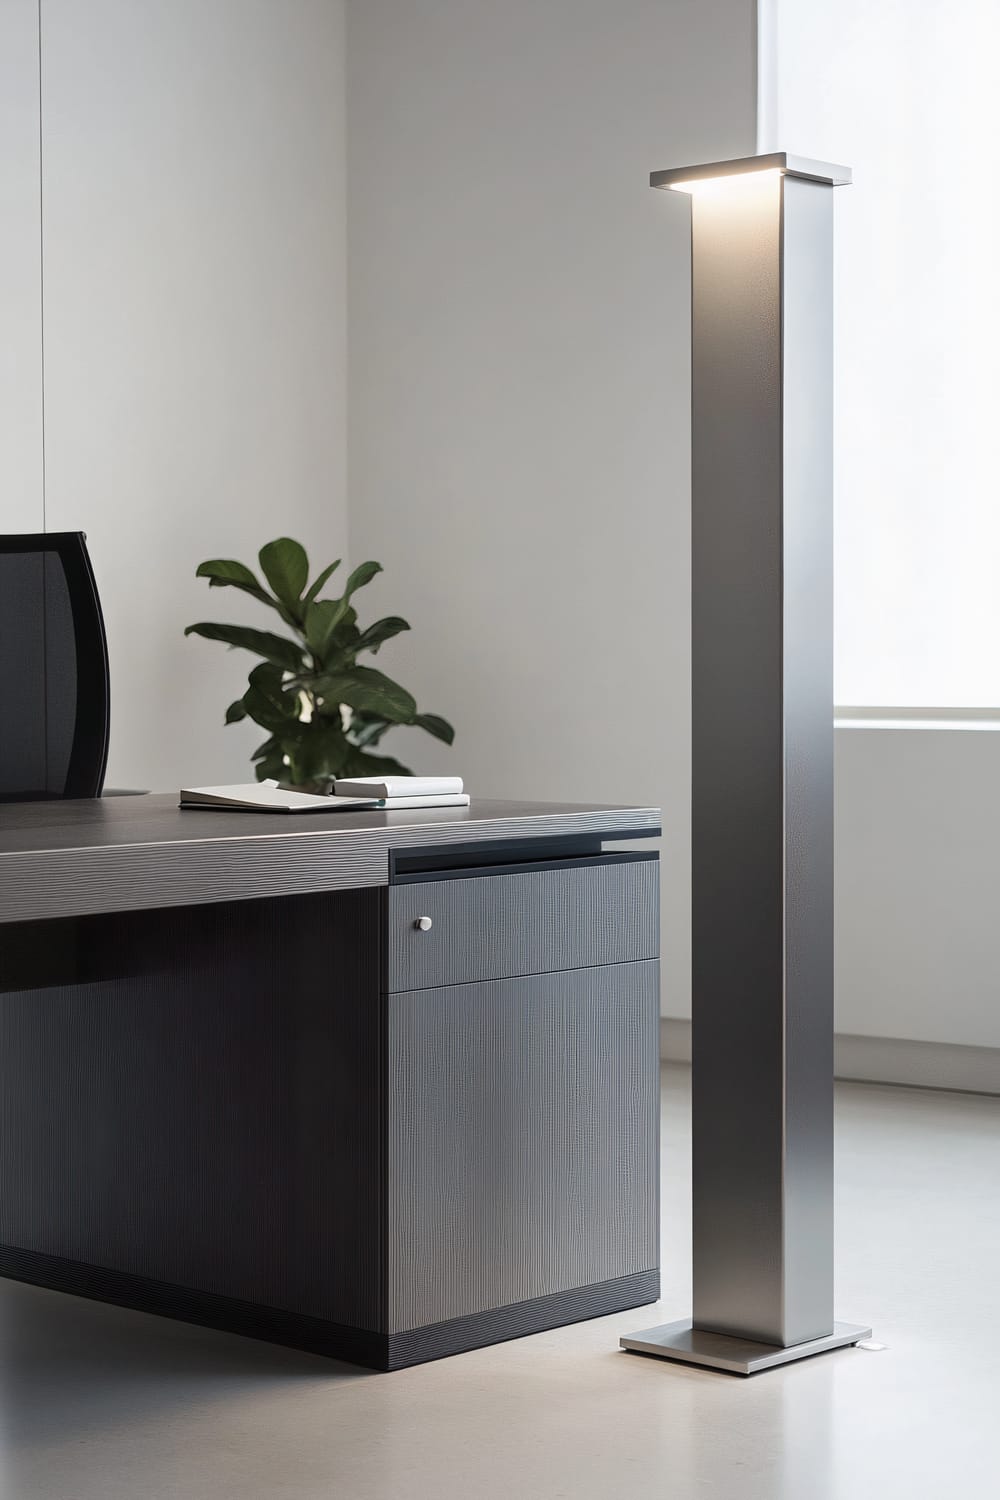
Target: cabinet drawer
496, 926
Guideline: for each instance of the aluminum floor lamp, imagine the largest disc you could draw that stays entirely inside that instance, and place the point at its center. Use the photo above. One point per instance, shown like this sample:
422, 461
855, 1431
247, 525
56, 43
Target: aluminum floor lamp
762, 751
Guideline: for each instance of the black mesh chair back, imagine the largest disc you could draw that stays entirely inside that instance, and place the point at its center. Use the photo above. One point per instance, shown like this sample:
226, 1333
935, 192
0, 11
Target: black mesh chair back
54, 687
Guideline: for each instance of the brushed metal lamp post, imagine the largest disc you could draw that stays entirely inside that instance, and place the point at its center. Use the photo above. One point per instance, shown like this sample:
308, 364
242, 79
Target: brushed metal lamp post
762, 750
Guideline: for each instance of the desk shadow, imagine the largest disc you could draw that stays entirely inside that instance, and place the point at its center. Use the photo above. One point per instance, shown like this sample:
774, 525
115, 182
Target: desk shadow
69, 1365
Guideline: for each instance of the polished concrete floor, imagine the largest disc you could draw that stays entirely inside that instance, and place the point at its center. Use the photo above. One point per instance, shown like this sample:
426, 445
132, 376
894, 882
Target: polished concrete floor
102, 1404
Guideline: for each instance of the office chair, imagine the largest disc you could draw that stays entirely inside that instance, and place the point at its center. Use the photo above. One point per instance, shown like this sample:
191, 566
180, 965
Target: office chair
54, 680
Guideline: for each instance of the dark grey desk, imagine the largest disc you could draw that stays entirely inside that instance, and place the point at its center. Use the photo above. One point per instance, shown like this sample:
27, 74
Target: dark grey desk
378, 1085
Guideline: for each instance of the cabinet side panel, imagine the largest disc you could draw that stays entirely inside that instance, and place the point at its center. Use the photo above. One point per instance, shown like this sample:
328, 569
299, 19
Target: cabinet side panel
523, 1139
195, 1096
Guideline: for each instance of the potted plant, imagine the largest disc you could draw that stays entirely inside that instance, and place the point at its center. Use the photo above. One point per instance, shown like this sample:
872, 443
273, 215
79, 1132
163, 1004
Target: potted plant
323, 712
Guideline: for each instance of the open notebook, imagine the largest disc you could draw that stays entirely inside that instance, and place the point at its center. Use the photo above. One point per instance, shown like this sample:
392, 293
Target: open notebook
268, 796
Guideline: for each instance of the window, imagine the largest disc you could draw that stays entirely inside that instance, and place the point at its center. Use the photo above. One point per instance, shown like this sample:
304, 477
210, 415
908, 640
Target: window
904, 92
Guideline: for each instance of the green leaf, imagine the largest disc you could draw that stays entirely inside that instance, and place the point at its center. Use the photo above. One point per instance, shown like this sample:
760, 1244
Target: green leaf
360, 763
383, 630
268, 704
269, 761
224, 572
286, 568
435, 725
344, 644
319, 756
273, 648
340, 648
367, 729
363, 573
268, 678
315, 587
370, 691
321, 622
236, 711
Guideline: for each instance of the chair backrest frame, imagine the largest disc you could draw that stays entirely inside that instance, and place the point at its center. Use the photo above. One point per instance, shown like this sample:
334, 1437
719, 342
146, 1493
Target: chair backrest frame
92, 726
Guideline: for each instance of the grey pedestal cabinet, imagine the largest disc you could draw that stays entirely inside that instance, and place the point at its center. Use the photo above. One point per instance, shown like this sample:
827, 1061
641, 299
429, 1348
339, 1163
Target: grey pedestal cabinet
522, 1101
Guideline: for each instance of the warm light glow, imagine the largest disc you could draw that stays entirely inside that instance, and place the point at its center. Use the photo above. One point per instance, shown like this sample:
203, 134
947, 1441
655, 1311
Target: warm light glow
700, 186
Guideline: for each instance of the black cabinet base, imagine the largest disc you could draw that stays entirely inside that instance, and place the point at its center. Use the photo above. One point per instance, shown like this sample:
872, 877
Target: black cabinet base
472, 1332
378, 1351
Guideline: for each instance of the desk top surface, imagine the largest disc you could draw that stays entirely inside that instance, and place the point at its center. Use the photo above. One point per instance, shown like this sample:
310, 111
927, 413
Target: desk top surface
125, 853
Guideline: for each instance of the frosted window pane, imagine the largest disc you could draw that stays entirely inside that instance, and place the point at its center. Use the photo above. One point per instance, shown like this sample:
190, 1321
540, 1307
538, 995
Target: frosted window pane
904, 91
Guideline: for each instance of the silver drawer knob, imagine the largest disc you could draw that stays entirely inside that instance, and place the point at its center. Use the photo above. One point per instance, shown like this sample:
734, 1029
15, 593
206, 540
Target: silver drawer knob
423, 924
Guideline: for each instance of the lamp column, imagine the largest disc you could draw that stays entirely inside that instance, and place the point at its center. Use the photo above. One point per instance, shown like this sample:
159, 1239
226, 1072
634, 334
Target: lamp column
762, 755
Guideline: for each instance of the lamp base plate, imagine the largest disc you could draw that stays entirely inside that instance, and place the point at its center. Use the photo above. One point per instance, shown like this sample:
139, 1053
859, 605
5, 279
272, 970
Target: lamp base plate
719, 1351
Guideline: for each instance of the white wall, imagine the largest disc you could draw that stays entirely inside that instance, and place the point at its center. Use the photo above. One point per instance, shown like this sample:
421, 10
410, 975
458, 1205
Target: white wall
20, 271
193, 187
519, 408
918, 884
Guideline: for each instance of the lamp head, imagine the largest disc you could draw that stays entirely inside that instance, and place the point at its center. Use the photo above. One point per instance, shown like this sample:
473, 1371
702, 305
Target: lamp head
720, 176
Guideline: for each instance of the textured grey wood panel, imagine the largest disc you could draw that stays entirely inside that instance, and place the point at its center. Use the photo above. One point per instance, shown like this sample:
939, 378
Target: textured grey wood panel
523, 1139
197, 1097
132, 853
528, 923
